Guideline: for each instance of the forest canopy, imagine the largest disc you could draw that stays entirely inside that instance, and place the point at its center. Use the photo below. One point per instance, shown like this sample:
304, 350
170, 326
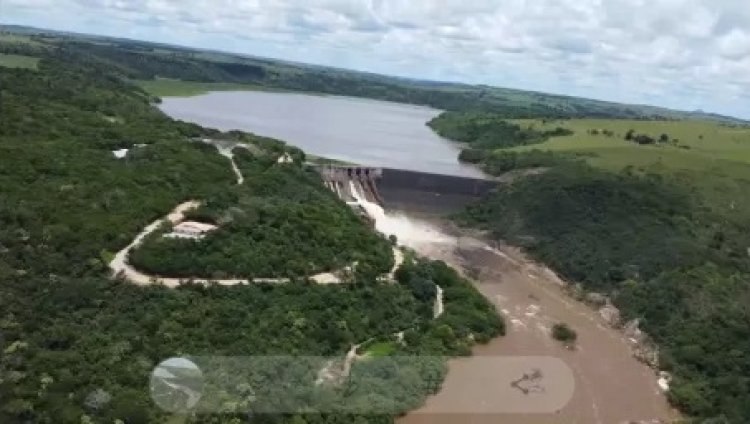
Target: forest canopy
79, 346
483, 133
282, 222
652, 243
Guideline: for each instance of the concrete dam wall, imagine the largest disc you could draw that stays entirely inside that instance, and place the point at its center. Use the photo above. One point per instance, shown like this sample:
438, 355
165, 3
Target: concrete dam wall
429, 193
398, 189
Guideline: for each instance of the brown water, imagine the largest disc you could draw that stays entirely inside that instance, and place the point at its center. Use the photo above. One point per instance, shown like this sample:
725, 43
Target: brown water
611, 386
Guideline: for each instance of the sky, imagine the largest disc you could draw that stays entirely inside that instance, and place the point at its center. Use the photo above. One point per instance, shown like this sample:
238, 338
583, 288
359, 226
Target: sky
684, 54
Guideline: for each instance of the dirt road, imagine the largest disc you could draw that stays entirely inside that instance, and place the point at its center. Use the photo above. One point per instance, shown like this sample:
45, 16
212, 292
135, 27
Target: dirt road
120, 266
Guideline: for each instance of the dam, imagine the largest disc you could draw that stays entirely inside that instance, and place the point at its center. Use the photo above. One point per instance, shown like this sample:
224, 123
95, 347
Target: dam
408, 172
531, 298
405, 190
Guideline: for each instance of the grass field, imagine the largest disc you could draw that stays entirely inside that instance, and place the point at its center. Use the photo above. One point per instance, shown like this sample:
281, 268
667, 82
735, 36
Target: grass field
17, 61
695, 140
18, 39
177, 88
381, 349
712, 157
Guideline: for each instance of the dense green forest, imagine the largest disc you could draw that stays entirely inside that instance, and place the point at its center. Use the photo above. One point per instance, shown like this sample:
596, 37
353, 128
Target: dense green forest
649, 225
657, 247
78, 346
68, 338
483, 133
277, 224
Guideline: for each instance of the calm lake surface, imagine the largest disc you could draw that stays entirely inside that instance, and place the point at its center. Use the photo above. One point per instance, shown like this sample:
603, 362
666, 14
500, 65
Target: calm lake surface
368, 132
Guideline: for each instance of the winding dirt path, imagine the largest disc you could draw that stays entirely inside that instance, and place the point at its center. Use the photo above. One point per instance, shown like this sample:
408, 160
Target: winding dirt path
229, 155
439, 304
120, 266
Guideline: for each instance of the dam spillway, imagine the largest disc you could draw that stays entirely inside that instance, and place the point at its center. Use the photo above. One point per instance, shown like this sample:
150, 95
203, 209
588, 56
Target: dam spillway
398, 189
343, 180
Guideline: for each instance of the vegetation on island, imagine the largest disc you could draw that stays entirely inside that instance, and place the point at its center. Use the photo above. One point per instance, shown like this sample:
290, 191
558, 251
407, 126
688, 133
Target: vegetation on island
563, 333
468, 317
663, 228
78, 346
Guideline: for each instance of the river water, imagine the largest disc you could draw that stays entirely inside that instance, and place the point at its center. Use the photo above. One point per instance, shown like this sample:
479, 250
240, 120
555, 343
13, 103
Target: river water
598, 381
367, 132
610, 385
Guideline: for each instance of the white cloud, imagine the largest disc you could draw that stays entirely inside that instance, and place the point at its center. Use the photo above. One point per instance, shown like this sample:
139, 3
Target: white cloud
678, 53
735, 44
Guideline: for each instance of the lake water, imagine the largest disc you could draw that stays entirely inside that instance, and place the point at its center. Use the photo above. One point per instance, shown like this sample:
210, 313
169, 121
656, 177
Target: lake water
363, 131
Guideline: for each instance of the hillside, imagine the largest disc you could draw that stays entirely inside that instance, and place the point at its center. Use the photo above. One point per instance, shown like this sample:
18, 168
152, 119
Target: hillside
712, 158
654, 214
86, 162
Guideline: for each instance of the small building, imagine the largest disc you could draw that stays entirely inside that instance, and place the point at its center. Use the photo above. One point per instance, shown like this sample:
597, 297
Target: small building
285, 158
191, 229
120, 154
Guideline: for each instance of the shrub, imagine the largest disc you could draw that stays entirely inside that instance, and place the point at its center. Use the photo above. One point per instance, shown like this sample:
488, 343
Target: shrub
562, 332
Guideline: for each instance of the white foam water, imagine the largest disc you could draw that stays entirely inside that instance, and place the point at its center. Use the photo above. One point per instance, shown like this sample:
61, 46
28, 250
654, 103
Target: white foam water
410, 232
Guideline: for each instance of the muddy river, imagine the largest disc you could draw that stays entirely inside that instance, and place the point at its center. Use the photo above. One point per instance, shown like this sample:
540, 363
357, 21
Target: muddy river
610, 384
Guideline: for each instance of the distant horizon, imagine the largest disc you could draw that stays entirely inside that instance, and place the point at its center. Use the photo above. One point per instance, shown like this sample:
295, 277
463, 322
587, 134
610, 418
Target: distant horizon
250, 55
691, 58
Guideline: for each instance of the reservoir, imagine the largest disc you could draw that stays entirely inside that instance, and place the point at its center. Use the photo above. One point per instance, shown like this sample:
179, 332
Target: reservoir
362, 131
610, 385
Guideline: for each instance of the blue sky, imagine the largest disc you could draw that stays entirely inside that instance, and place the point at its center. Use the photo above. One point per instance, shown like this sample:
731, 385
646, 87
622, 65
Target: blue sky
685, 54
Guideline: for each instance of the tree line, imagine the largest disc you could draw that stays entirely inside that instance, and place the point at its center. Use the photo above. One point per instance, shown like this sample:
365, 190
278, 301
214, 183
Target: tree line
147, 61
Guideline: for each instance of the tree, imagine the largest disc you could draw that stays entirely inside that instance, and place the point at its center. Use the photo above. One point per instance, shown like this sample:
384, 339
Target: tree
629, 135
131, 407
644, 139
562, 332
97, 399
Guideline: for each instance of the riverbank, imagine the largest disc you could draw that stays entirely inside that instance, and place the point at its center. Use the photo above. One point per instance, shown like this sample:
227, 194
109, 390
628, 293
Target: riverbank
165, 87
346, 129
611, 385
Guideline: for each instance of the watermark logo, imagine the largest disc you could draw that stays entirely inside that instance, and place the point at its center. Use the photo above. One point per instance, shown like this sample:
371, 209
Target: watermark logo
177, 385
360, 383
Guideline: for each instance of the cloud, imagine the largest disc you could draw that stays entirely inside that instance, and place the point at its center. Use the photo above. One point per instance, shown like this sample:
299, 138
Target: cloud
735, 45
676, 53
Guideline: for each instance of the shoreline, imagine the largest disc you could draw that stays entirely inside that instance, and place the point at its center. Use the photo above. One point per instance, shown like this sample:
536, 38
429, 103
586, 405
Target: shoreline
612, 384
